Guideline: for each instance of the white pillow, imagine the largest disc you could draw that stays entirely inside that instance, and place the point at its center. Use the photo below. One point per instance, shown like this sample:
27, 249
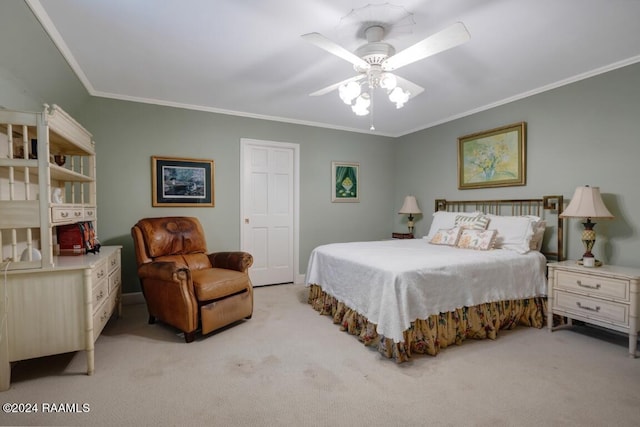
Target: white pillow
514, 232
445, 220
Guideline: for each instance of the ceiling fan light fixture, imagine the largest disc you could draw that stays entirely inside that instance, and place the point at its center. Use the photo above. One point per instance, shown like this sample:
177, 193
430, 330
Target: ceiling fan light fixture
349, 91
388, 81
374, 60
399, 96
361, 105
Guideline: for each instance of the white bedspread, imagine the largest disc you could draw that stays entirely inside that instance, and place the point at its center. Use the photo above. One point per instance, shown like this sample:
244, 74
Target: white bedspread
394, 282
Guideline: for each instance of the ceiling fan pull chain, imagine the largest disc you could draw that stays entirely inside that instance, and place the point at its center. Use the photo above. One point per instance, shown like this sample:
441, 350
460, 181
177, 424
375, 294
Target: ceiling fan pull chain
371, 115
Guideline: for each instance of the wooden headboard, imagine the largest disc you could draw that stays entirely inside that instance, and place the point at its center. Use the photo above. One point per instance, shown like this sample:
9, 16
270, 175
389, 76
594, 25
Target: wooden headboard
548, 207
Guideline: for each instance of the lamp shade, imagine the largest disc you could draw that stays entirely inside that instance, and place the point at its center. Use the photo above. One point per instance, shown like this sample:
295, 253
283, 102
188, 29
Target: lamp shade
586, 203
410, 206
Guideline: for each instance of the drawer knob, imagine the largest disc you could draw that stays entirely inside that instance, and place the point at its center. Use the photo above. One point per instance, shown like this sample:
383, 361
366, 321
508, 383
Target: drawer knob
582, 285
586, 307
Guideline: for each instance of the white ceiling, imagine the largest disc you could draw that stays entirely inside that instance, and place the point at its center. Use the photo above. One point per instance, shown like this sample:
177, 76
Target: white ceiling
246, 57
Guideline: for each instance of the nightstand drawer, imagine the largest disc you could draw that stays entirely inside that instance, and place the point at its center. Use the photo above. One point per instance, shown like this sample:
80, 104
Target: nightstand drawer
592, 308
606, 287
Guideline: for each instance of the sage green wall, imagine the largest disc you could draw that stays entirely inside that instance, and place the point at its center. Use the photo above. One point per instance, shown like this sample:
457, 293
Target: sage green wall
32, 70
127, 134
585, 133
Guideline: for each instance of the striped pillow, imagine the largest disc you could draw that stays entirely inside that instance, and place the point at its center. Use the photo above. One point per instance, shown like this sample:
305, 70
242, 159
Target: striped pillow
479, 222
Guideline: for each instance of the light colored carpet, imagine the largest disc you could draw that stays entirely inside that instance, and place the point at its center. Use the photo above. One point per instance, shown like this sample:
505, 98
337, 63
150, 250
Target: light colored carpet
290, 366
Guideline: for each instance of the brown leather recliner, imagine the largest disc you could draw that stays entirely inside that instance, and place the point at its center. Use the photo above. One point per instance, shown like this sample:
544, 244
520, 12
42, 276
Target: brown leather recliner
183, 285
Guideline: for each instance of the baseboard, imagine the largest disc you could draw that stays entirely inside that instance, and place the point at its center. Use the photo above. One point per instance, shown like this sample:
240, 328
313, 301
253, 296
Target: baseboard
132, 298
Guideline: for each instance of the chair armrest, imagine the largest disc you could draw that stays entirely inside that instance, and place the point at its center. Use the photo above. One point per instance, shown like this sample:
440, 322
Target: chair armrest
166, 271
238, 260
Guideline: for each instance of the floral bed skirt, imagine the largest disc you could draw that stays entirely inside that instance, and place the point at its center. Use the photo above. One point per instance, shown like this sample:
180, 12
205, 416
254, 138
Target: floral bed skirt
437, 331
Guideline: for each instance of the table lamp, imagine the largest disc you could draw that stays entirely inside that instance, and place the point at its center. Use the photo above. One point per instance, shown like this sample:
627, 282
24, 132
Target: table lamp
410, 207
587, 203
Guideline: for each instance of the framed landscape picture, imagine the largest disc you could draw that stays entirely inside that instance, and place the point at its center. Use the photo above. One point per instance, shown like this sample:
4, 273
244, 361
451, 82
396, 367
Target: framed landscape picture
182, 182
345, 182
493, 158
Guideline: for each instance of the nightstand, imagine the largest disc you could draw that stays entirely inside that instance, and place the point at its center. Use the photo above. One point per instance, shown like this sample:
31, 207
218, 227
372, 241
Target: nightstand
606, 296
402, 235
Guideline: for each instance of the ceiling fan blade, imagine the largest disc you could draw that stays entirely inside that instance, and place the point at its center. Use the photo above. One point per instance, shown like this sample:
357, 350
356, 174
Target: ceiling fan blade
337, 85
335, 49
450, 37
412, 88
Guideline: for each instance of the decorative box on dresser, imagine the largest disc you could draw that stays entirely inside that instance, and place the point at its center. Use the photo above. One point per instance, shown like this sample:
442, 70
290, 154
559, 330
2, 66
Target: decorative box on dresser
607, 296
49, 304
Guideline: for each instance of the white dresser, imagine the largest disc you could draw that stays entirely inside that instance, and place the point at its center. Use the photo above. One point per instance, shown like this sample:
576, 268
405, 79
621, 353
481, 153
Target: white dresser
59, 309
606, 296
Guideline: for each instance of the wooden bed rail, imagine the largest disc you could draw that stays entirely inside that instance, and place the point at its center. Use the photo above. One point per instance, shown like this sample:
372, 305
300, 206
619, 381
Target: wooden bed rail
543, 207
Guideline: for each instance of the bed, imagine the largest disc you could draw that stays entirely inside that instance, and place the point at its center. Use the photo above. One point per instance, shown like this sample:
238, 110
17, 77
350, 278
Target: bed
481, 268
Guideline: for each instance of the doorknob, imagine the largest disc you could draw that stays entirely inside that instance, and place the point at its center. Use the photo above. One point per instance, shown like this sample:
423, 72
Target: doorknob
246, 220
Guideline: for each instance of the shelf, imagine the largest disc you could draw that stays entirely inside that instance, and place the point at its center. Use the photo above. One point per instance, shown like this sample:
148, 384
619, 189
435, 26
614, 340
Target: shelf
57, 173
28, 217
60, 173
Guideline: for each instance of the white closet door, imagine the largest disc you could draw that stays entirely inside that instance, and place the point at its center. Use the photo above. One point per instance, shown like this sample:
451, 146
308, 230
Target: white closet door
268, 182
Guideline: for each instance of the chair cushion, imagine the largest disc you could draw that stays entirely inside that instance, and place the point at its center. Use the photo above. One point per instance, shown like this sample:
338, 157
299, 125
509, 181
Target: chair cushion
193, 261
213, 283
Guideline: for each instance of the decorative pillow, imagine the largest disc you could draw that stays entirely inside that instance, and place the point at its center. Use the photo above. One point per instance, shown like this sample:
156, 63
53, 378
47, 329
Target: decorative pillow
479, 222
482, 240
447, 237
445, 220
514, 232
538, 235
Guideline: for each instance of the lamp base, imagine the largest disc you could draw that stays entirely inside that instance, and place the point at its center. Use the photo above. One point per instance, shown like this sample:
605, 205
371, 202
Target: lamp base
597, 263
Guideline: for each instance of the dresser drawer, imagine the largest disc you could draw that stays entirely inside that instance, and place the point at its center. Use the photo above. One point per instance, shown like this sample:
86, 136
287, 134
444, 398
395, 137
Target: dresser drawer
592, 308
99, 272
61, 214
100, 293
102, 315
606, 287
89, 213
114, 261
114, 280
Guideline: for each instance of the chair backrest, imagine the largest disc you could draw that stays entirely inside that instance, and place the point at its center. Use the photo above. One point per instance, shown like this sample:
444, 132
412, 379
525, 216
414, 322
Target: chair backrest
180, 239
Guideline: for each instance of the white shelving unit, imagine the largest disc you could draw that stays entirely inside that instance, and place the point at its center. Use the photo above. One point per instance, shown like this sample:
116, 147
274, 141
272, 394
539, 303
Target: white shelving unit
49, 304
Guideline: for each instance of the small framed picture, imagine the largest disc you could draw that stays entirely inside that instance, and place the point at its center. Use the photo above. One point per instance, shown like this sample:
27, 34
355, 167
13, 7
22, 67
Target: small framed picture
182, 182
345, 185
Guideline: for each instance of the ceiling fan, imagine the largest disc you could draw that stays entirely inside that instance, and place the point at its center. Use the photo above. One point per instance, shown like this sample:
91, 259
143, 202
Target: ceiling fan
375, 60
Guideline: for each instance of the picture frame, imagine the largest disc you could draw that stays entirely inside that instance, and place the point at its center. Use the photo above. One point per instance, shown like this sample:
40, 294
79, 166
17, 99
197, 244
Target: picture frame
493, 158
345, 182
182, 182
